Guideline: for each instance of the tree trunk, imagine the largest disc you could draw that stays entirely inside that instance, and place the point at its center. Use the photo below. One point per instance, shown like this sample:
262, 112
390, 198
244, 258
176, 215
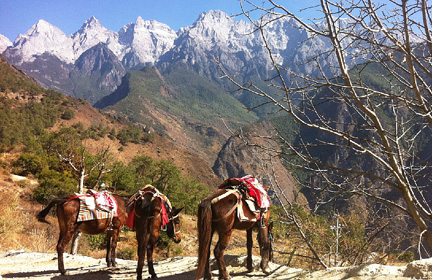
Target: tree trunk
415, 214
75, 240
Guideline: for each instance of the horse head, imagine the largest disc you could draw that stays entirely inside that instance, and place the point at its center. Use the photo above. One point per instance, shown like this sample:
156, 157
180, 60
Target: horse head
173, 227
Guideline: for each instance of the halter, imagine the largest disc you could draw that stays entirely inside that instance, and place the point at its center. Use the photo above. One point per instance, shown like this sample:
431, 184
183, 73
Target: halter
172, 220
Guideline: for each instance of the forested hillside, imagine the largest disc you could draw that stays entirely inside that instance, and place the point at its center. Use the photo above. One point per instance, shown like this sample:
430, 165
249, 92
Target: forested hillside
39, 125
180, 104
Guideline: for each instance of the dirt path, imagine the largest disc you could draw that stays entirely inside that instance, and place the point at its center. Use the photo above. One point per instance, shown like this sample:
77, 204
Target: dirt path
43, 266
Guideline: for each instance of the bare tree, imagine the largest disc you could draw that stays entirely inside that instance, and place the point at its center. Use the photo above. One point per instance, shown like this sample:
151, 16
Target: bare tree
368, 101
78, 163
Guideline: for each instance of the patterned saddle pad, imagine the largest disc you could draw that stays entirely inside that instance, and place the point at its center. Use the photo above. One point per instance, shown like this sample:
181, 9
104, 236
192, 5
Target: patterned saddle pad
90, 211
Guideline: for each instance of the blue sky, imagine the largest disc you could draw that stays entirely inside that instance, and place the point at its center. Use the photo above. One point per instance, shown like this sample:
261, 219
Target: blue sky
17, 16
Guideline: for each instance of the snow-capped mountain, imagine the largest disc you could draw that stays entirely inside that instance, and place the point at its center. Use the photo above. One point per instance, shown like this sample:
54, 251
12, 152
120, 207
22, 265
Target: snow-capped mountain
214, 34
91, 33
90, 62
4, 43
145, 40
240, 49
42, 37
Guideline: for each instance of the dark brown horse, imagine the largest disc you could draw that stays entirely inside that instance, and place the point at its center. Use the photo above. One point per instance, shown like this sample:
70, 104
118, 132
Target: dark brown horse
67, 213
148, 221
218, 212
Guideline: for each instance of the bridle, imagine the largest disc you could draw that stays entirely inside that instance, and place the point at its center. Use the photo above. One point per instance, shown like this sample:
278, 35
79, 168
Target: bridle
172, 221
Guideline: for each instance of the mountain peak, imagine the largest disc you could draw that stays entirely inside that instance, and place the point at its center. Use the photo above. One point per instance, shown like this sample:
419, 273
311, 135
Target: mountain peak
213, 15
4, 43
139, 21
42, 26
91, 24
91, 21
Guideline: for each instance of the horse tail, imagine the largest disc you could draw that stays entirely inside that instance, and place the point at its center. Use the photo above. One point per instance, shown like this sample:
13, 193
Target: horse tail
42, 214
204, 234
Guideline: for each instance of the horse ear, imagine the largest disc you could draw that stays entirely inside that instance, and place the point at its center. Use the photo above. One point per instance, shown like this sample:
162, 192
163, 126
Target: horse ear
176, 211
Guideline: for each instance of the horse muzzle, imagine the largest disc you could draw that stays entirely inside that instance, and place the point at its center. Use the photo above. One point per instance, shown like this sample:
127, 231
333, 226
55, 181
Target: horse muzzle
177, 238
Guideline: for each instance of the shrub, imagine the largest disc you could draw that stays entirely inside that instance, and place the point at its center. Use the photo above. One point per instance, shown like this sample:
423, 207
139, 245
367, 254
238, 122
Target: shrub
54, 184
97, 241
127, 253
406, 256
29, 164
68, 114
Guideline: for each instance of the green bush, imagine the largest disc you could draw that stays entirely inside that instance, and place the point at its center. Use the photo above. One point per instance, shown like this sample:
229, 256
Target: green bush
68, 114
97, 241
53, 184
127, 253
406, 256
29, 164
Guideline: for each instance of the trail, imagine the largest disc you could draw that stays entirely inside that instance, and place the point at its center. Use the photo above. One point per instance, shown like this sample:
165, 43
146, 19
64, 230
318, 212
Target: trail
43, 266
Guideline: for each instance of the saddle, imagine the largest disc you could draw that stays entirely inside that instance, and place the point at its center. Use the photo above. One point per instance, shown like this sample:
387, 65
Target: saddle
166, 205
243, 199
102, 200
96, 205
253, 195
250, 188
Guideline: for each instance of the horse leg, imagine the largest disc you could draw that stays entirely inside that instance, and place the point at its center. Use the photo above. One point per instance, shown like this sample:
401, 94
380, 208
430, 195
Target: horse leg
249, 244
108, 257
140, 236
114, 240
64, 238
207, 271
265, 249
150, 247
67, 227
219, 251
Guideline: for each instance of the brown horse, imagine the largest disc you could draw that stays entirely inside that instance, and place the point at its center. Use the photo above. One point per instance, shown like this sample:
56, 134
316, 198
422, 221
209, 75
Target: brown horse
218, 212
148, 221
67, 212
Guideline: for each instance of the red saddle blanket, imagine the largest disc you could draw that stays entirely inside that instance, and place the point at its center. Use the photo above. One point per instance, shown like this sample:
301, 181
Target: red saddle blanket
255, 189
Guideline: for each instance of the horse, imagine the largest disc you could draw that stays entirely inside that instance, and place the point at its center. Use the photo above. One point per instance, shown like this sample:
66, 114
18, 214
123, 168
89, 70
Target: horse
218, 212
148, 221
67, 213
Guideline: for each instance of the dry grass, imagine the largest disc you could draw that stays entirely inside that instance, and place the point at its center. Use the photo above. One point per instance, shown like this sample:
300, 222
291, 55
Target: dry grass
18, 227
